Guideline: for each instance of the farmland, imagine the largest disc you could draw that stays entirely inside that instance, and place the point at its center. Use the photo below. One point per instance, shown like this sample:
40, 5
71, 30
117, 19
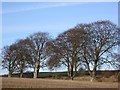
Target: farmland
106, 79
52, 83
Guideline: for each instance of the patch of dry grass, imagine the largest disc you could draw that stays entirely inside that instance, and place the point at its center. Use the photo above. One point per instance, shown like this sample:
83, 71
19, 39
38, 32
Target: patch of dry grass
99, 79
50, 83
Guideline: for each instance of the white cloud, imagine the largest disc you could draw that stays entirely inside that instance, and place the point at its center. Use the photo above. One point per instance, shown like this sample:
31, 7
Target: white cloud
28, 29
34, 7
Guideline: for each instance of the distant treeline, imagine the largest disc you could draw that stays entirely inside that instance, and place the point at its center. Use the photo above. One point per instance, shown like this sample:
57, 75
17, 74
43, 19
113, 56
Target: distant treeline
59, 75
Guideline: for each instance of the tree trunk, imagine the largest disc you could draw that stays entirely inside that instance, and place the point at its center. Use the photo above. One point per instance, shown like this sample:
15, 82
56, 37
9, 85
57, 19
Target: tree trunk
75, 71
69, 71
72, 77
21, 69
38, 68
35, 73
94, 72
10, 74
21, 73
93, 76
89, 71
69, 74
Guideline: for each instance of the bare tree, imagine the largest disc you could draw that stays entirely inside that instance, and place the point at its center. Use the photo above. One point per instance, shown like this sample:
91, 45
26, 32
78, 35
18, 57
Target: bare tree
116, 61
16, 57
9, 59
37, 47
23, 55
66, 50
102, 38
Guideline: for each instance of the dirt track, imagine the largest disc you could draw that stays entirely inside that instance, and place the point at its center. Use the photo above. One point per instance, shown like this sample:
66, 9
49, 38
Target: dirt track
49, 83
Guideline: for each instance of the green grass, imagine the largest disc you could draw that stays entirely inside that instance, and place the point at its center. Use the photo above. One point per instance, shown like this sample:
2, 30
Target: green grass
51, 74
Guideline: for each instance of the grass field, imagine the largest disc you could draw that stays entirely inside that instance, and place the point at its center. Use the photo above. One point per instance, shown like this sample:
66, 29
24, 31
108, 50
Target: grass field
53, 83
106, 79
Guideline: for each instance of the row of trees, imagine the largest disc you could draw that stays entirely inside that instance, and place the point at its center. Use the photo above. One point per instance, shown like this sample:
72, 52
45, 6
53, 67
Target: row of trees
26, 53
89, 45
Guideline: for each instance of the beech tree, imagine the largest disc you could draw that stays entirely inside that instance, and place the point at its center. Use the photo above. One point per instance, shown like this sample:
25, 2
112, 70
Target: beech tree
116, 61
16, 57
37, 47
65, 50
9, 59
102, 38
23, 55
